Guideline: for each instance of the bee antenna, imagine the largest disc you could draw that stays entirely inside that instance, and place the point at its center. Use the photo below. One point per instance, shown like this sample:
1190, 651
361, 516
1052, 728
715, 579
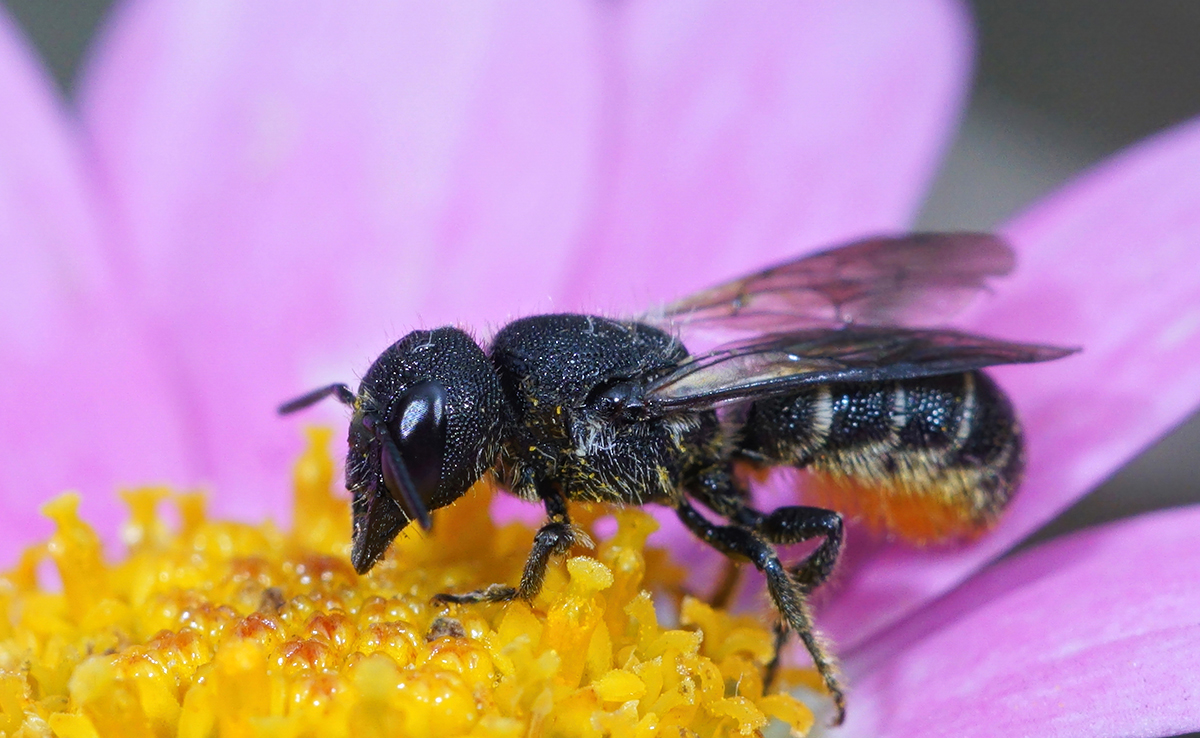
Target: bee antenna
340, 391
395, 475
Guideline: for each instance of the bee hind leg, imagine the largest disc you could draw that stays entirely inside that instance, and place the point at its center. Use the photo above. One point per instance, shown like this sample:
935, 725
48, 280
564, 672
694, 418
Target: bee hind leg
734, 540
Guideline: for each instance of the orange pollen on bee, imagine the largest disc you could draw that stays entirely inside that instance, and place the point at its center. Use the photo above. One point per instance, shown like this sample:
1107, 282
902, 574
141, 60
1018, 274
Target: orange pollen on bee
934, 511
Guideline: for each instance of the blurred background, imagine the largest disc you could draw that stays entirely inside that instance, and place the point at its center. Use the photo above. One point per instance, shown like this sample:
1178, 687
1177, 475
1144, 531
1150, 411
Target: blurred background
1058, 87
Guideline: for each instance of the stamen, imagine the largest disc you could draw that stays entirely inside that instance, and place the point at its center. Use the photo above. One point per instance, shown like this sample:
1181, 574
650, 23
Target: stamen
222, 628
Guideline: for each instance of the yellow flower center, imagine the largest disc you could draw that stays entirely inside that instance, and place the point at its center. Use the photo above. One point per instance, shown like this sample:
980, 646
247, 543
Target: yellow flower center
220, 628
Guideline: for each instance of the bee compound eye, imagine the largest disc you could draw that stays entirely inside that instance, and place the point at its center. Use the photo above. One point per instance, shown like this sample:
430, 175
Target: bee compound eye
420, 431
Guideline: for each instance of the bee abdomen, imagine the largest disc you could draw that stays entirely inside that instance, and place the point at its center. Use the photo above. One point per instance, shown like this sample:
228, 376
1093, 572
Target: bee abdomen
928, 458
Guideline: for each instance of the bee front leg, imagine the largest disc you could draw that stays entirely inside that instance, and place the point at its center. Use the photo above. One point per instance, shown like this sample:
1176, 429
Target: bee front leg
734, 540
554, 538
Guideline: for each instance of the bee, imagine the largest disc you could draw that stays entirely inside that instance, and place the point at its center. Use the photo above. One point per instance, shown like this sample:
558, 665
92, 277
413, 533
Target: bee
832, 374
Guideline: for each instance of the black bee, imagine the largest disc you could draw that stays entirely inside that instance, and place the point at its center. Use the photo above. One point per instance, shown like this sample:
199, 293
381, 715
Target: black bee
896, 422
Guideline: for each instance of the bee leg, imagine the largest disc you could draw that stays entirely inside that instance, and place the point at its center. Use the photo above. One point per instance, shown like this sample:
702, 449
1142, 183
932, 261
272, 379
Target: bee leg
796, 524
733, 540
793, 525
716, 489
490, 593
772, 670
554, 538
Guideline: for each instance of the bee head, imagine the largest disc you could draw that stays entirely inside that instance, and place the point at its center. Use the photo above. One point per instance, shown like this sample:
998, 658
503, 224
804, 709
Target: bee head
428, 420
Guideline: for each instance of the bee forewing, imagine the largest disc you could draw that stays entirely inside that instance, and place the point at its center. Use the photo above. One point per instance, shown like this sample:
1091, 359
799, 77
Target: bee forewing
780, 363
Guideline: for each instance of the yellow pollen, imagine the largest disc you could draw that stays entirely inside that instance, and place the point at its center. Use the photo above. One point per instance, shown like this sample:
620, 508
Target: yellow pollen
216, 628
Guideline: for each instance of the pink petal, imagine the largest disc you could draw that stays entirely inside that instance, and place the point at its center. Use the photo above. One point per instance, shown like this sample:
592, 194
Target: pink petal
1112, 264
299, 189
742, 134
302, 188
1095, 635
82, 408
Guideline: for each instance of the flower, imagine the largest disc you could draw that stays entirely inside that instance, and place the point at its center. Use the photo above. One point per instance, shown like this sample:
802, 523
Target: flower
251, 194
219, 628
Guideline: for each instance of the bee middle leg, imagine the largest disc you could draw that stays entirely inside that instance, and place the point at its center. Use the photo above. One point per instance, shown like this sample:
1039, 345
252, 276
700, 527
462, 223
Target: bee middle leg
796, 524
788, 596
718, 491
554, 538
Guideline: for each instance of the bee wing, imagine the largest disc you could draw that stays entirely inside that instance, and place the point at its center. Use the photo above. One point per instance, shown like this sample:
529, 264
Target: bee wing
905, 280
786, 362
